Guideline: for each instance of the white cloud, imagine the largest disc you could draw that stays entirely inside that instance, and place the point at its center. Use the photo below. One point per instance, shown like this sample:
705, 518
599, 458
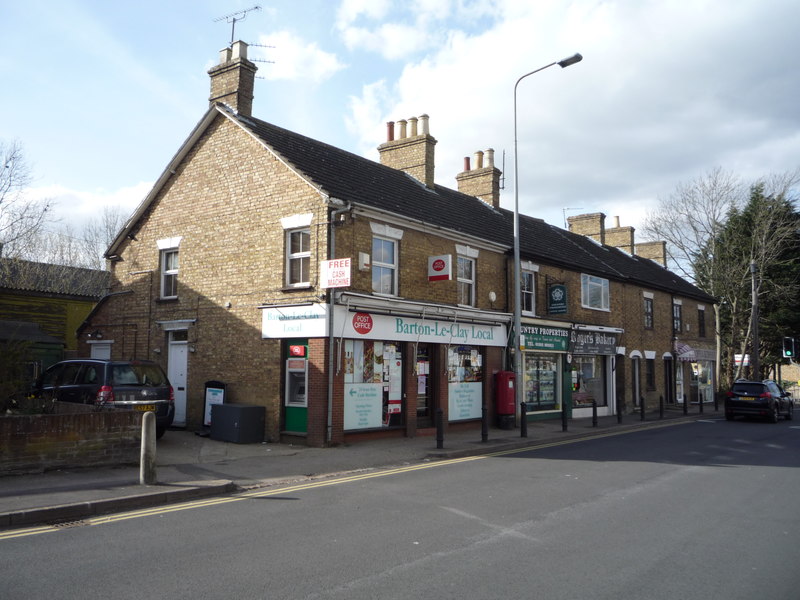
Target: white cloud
76, 207
296, 59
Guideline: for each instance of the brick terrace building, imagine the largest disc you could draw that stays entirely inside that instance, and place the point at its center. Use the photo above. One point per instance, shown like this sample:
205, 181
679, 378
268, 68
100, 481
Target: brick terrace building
219, 276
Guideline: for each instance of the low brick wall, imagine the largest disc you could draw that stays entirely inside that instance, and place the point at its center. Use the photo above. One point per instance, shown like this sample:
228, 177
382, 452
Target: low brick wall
37, 443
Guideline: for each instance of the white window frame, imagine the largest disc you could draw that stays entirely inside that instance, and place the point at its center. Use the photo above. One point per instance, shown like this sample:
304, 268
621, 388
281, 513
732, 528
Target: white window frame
389, 266
169, 274
528, 268
467, 283
297, 256
590, 283
168, 246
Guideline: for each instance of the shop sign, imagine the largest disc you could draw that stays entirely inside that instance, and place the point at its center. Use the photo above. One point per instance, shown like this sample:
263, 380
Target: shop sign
593, 342
464, 401
553, 339
363, 405
557, 299
334, 273
295, 321
440, 268
364, 325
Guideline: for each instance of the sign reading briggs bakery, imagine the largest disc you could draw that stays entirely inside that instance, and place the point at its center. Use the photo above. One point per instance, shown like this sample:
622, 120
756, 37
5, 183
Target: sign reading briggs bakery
593, 342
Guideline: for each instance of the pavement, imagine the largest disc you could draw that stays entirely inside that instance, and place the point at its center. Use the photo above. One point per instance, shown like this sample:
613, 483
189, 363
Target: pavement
191, 466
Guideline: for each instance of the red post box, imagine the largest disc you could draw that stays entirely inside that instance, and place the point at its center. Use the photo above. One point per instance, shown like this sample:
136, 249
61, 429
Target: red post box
505, 396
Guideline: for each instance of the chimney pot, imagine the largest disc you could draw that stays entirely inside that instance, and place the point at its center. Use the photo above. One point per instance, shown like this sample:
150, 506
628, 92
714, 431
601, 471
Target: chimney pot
424, 123
239, 50
390, 131
224, 56
479, 160
466, 163
413, 121
615, 222
490, 157
402, 123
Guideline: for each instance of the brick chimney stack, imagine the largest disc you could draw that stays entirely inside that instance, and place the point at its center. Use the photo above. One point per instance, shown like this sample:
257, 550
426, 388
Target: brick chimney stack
233, 79
483, 181
412, 153
620, 237
591, 225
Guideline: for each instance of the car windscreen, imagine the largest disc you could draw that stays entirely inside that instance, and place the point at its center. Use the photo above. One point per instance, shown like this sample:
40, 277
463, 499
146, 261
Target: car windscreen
749, 389
145, 375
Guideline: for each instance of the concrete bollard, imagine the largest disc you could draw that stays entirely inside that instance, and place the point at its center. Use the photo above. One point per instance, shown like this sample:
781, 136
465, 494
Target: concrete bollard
147, 459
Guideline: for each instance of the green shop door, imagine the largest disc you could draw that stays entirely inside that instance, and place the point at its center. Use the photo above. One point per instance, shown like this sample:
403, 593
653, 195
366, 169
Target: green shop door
296, 400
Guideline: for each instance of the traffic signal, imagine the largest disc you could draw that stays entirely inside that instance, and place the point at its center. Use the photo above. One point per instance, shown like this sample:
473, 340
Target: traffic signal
788, 347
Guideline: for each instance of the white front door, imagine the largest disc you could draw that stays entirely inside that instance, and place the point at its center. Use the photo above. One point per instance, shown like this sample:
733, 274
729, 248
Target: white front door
100, 350
176, 371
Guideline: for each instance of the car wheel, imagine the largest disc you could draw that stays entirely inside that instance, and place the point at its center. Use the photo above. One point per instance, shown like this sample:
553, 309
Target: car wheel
160, 432
790, 413
775, 413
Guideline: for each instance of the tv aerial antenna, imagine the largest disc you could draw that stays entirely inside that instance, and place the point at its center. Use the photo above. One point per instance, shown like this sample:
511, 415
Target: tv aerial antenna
235, 16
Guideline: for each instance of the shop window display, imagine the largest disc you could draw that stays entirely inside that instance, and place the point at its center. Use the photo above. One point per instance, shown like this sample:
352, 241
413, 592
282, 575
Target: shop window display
541, 382
588, 382
373, 378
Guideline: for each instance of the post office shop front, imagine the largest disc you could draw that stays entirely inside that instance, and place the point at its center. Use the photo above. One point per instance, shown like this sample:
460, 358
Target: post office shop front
396, 370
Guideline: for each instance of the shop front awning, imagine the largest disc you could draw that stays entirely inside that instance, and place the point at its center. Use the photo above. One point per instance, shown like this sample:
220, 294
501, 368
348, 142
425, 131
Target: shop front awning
688, 353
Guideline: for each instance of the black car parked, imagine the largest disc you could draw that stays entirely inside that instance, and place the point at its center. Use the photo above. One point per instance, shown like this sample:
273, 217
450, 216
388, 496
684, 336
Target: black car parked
758, 399
137, 385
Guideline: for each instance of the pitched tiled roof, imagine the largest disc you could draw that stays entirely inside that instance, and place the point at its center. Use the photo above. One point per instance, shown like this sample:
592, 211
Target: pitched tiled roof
27, 276
352, 178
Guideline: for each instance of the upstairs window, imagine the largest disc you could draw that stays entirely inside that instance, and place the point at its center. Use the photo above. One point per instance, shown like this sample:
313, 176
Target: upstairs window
169, 273
298, 258
677, 321
594, 292
527, 292
384, 266
648, 313
168, 266
466, 281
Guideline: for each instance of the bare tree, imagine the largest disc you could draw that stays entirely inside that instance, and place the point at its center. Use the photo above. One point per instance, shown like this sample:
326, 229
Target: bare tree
693, 215
20, 217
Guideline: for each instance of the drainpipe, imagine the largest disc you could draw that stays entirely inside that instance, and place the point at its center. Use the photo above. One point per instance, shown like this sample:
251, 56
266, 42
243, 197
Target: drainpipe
331, 339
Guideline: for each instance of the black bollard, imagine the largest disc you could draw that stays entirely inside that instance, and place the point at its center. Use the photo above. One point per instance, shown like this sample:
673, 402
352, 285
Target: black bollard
685, 405
619, 410
661, 407
716, 402
484, 424
641, 409
700, 402
563, 416
523, 420
594, 413
439, 428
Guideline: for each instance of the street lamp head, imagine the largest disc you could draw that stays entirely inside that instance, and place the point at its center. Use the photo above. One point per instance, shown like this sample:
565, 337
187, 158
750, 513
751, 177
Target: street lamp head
575, 58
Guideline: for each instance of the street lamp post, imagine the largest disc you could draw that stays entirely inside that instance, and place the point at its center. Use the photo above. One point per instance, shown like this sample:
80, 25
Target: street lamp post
517, 275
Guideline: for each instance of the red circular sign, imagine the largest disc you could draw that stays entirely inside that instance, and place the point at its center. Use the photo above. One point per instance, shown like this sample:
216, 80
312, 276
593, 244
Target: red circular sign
438, 264
362, 323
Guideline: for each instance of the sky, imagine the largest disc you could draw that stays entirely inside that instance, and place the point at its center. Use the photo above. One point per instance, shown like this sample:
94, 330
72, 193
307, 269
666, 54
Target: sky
102, 94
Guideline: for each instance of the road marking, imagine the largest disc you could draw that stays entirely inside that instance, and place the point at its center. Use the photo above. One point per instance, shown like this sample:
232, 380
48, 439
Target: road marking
281, 491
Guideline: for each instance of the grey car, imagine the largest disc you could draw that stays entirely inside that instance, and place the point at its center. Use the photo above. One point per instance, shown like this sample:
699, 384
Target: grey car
137, 385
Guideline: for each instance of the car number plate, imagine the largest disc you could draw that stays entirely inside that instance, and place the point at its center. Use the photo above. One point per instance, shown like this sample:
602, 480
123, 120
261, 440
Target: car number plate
146, 407
746, 398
